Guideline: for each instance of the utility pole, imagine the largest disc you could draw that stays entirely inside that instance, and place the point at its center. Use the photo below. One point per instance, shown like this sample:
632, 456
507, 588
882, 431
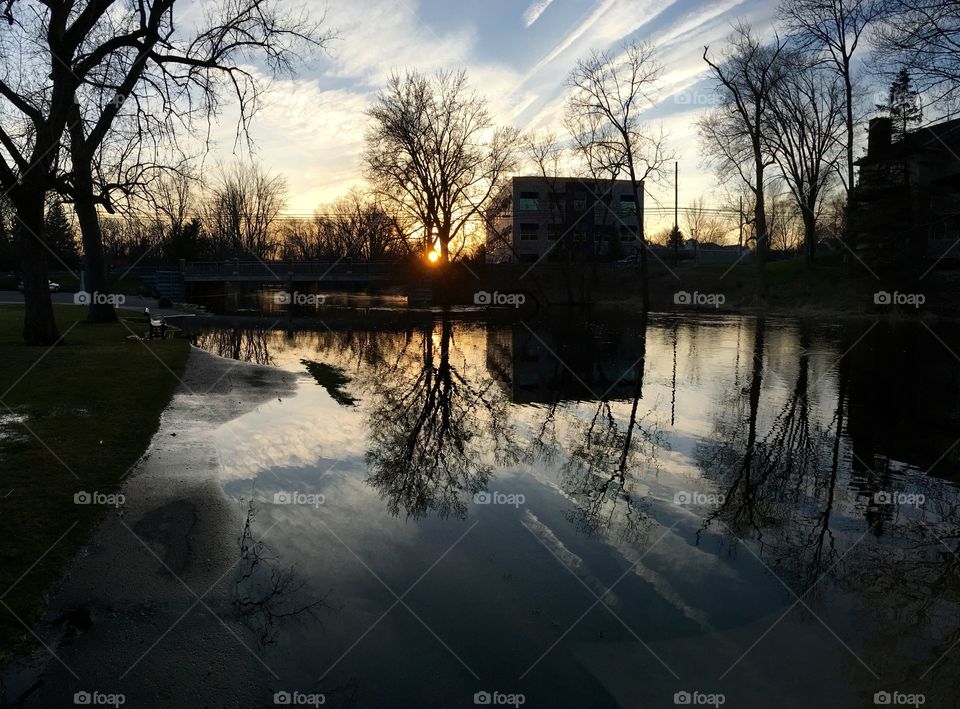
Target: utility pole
676, 212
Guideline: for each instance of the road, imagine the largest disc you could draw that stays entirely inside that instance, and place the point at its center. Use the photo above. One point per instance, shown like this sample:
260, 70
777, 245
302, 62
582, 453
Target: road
131, 302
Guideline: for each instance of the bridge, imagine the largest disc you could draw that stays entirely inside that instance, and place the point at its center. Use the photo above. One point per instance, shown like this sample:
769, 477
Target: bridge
342, 271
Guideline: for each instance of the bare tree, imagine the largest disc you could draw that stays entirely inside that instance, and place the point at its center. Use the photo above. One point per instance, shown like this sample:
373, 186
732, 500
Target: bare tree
734, 135
806, 139
703, 224
72, 70
245, 202
432, 153
833, 28
923, 36
608, 95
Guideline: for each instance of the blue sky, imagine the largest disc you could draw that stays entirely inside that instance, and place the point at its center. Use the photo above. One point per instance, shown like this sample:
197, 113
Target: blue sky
517, 52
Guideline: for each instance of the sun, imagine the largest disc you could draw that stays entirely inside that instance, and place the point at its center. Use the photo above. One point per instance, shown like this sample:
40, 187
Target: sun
433, 257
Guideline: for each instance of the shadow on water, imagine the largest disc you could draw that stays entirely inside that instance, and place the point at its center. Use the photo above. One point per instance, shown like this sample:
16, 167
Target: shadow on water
785, 464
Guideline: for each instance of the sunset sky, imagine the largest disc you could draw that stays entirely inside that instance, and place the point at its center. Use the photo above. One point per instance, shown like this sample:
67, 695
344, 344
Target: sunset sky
517, 52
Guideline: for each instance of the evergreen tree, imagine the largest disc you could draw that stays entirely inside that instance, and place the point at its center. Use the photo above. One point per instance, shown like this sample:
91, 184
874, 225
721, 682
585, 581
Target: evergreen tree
60, 236
903, 104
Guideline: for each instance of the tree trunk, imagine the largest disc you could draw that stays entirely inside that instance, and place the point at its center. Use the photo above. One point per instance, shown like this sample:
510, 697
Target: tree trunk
763, 239
100, 309
638, 208
848, 86
809, 234
39, 326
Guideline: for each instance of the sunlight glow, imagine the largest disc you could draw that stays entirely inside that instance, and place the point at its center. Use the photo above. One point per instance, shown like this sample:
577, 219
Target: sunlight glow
433, 257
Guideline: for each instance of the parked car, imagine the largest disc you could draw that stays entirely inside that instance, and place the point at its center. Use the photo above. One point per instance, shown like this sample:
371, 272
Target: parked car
54, 287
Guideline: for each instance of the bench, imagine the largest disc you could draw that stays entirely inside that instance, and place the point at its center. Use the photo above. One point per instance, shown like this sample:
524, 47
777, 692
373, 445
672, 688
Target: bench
158, 326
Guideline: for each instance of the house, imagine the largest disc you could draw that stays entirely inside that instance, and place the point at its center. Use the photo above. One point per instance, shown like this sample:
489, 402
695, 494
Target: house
905, 208
560, 218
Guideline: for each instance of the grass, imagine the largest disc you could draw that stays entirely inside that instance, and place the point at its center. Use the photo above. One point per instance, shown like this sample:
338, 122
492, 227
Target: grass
70, 284
73, 418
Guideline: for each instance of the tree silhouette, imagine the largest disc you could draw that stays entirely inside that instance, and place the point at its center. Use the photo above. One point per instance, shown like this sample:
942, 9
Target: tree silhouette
435, 432
903, 104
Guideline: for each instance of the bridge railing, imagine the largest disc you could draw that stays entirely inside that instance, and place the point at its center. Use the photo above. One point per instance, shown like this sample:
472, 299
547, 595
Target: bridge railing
281, 269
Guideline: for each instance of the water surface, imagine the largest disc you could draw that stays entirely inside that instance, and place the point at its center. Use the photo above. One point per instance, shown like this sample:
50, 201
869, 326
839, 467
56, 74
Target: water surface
598, 511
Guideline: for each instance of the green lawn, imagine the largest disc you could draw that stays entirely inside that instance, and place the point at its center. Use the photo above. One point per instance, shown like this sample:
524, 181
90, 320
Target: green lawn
72, 418
70, 284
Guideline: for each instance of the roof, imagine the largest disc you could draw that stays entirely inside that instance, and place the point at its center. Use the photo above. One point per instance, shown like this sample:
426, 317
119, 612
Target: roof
941, 137
571, 178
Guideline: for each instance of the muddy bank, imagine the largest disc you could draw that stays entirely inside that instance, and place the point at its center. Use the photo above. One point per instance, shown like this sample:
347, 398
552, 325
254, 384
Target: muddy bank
125, 618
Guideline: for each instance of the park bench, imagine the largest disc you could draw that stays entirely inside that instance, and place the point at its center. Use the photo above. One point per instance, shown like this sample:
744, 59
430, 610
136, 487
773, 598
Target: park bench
158, 326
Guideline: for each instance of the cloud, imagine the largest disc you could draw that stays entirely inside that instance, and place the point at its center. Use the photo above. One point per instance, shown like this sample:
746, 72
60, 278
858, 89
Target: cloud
532, 13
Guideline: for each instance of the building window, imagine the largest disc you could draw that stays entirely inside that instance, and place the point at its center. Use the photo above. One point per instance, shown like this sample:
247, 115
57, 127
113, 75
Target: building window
580, 205
628, 205
601, 211
627, 235
554, 233
529, 232
579, 236
529, 201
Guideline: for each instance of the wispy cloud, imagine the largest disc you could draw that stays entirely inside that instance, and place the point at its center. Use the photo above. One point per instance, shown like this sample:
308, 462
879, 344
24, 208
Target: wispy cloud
532, 13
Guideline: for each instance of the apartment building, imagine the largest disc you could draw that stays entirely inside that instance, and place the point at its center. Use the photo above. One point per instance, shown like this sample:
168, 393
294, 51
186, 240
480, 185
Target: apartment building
558, 218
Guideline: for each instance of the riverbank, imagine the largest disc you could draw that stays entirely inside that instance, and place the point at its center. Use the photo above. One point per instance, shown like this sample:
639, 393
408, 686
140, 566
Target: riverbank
828, 288
75, 419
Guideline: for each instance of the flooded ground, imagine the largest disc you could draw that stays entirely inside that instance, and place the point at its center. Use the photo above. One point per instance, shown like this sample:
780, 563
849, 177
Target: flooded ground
389, 509
601, 512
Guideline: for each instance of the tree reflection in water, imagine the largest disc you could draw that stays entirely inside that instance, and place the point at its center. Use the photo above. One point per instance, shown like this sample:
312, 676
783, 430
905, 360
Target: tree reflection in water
602, 459
778, 484
242, 344
805, 426
435, 432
